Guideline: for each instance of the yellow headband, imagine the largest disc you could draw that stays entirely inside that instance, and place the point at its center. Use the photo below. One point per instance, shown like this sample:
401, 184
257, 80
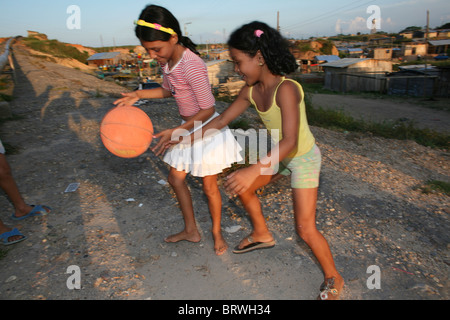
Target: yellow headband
155, 26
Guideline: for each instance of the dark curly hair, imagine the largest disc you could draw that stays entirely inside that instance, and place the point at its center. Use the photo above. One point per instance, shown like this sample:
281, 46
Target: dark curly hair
273, 47
163, 17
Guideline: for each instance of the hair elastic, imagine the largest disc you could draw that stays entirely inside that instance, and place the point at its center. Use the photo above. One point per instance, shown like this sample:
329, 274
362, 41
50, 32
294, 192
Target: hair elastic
155, 26
259, 33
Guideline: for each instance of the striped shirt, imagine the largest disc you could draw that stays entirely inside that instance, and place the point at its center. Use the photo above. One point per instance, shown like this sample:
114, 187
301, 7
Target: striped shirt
189, 83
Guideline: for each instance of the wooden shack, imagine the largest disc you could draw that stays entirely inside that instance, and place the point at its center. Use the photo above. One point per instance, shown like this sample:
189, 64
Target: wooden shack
356, 75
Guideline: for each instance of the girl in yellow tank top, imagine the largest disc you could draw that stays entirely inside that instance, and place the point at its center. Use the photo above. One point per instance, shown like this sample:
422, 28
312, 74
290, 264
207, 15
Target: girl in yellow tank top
262, 57
272, 119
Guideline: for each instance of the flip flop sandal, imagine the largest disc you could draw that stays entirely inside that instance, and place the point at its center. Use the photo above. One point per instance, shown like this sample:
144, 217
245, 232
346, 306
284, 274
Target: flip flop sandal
326, 289
5, 236
252, 246
36, 212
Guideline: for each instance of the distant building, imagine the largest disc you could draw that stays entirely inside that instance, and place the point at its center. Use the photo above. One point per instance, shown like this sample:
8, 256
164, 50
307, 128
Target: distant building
381, 41
381, 53
104, 58
219, 54
351, 52
420, 80
414, 49
443, 33
356, 75
326, 58
406, 35
438, 46
355, 52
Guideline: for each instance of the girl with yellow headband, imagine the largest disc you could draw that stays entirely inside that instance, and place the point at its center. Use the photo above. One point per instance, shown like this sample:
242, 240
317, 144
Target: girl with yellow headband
186, 79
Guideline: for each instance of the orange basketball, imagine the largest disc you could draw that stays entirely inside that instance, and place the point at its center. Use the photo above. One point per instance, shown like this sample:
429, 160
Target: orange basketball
126, 132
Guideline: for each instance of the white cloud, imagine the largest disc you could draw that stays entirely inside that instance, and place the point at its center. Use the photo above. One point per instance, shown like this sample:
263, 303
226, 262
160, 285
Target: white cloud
359, 24
355, 25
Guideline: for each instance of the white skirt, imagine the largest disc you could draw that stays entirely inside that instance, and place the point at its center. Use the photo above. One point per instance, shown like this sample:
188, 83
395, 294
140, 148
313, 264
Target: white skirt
205, 157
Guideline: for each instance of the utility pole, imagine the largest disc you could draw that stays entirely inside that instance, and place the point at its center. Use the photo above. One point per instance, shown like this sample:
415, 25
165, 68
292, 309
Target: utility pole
425, 58
278, 21
185, 29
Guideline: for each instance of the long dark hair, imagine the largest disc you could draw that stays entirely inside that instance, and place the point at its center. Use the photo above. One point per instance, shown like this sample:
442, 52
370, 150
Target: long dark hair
163, 17
273, 47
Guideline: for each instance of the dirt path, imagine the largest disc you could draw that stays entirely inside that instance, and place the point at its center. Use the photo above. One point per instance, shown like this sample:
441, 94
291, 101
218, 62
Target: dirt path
369, 210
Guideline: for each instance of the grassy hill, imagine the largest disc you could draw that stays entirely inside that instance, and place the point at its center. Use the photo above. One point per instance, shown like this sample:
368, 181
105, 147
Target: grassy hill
56, 49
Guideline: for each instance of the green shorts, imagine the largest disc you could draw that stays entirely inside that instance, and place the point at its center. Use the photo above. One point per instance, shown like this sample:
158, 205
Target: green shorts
304, 170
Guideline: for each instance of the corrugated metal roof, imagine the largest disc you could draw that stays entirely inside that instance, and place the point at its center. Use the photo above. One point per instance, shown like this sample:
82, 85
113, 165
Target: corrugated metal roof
104, 56
420, 68
343, 63
439, 42
355, 50
327, 58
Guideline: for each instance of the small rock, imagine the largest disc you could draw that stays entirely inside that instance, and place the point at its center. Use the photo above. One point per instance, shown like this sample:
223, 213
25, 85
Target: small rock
233, 229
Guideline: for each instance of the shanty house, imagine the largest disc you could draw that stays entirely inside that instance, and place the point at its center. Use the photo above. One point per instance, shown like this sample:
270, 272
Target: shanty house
414, 49
356, 74
381, 53
104, 58
439, 46
420, 80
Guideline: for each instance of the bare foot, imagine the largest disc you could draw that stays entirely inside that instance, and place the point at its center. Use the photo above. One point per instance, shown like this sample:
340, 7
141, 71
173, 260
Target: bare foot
184, 236
220, 246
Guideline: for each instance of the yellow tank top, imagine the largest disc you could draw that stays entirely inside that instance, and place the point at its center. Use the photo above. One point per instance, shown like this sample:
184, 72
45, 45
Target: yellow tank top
273, 121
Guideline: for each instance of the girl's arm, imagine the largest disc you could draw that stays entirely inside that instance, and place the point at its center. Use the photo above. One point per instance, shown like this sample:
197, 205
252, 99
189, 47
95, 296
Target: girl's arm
175, 133
131, 98
232, 112
288, 98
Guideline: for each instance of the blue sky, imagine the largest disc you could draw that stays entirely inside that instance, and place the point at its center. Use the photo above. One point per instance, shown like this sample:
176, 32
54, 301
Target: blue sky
111, 22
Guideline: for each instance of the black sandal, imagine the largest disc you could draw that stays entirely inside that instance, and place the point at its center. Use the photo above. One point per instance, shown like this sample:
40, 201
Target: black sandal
254, 246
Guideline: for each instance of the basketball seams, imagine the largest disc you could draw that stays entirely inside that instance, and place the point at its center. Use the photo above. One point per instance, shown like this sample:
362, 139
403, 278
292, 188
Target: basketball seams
126, 125
126, 132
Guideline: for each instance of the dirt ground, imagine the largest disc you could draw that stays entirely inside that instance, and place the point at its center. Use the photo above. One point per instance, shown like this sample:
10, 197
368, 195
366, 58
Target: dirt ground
370, 209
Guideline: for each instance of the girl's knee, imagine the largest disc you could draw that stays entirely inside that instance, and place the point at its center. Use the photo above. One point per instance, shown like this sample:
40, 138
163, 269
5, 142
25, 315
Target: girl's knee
306, 231
210, 188
5, 171
175, 180
248, 195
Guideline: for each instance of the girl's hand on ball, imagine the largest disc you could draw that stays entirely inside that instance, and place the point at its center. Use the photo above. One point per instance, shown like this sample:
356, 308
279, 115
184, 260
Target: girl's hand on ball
128, 100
